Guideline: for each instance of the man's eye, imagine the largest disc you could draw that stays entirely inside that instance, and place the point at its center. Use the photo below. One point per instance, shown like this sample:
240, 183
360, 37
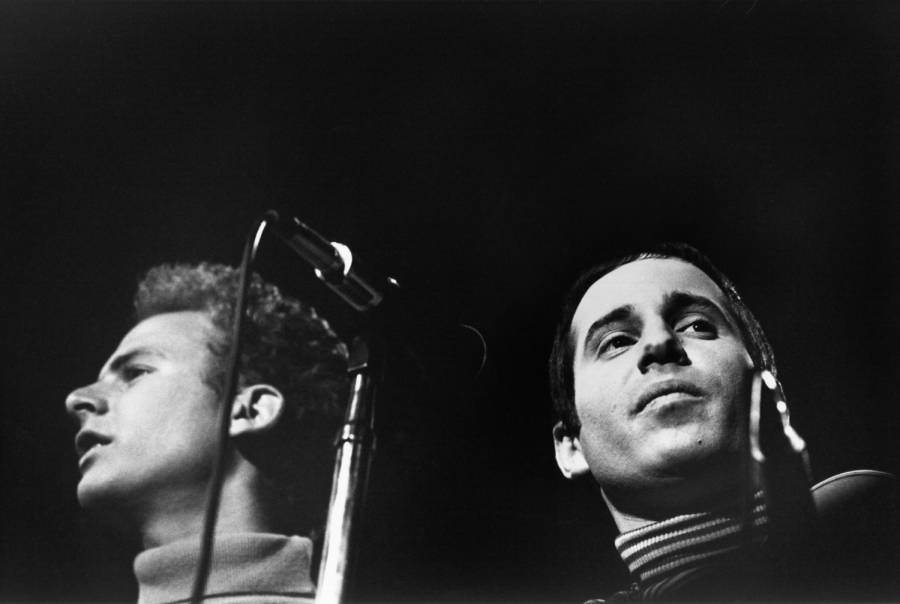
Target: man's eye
133, 372
699, 326
615, 342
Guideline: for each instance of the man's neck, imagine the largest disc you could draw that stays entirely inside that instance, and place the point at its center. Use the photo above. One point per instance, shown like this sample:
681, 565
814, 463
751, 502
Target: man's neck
179, 516
624, 522
631, 511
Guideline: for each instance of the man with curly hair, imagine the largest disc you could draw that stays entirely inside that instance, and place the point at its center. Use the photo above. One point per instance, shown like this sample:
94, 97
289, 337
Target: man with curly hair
148, 427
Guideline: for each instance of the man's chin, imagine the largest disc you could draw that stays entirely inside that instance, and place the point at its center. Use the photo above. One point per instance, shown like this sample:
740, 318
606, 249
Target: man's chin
91, 496
688, 445
96, 494
682, 460
704, 459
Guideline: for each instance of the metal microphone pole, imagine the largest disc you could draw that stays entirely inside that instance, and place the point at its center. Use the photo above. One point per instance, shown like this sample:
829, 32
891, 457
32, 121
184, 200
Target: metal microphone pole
355, 445
333, 264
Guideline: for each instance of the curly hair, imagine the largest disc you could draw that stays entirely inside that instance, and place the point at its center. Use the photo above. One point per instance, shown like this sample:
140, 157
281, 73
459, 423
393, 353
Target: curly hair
285, 344
562, 379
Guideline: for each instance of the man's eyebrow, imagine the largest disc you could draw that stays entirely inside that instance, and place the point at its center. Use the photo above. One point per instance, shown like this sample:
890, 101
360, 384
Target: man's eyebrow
676, 301
117, 362
617, 314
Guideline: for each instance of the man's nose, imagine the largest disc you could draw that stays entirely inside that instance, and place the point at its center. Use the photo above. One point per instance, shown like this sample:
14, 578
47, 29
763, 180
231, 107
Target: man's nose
661, 346
85, 400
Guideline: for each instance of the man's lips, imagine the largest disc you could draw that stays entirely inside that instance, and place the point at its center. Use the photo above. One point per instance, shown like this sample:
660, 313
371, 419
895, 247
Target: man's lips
659, 389
86, 440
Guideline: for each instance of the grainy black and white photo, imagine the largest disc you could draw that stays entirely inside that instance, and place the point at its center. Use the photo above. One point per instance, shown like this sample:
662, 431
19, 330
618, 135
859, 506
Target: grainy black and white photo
450, 302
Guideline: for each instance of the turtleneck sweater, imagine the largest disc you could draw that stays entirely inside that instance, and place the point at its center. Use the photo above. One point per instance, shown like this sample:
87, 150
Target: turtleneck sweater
247, 568
669, 554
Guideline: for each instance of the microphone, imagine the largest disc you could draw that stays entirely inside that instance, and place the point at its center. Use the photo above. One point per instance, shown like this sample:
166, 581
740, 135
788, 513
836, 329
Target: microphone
332, 263
400, 316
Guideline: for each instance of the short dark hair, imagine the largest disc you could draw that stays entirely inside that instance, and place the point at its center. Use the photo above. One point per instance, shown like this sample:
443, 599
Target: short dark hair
562, 379
285, 343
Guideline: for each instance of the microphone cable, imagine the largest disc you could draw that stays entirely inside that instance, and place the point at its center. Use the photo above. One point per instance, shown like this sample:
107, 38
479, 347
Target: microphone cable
214, 490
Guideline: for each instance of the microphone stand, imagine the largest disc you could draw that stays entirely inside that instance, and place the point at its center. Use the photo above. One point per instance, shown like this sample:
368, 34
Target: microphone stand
333, 265
355, 447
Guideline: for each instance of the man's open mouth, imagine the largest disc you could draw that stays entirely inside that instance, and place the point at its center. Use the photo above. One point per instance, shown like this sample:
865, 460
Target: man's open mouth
87, 440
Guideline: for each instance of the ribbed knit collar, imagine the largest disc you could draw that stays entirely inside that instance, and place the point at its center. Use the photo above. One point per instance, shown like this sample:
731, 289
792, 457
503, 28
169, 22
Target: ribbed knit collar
670, 548
243, 564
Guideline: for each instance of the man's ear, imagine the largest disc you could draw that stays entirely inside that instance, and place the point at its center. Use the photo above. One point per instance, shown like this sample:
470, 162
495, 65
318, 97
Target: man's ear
256, 408
569, 457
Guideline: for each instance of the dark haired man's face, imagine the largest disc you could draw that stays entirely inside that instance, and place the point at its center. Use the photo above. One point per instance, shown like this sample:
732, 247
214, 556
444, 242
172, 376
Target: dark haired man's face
148, 424
660, 373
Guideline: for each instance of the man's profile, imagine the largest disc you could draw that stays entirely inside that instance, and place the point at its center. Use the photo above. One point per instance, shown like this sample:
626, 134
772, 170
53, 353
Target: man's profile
651, 375
147, 434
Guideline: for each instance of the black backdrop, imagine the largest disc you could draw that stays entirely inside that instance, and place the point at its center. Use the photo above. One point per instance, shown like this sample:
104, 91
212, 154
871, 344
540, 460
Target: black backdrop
483, 153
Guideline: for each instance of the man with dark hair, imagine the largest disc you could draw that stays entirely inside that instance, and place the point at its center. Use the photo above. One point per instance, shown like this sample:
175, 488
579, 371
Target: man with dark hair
651, 373
148, 426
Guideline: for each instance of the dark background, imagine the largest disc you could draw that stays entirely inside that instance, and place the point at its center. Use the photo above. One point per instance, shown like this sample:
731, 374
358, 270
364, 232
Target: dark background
483, 153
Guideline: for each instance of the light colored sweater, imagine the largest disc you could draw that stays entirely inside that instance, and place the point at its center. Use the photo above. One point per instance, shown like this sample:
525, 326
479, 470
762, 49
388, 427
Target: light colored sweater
247, 568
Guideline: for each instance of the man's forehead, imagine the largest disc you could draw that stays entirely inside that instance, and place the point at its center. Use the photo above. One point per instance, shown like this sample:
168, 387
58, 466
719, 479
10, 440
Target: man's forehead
643, 283
168, 334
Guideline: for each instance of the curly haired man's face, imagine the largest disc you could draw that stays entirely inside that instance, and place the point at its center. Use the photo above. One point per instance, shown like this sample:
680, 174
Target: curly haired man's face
660, 373
148, 424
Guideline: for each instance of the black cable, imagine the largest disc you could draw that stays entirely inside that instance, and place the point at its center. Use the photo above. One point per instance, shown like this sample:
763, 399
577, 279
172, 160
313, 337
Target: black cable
214, 493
